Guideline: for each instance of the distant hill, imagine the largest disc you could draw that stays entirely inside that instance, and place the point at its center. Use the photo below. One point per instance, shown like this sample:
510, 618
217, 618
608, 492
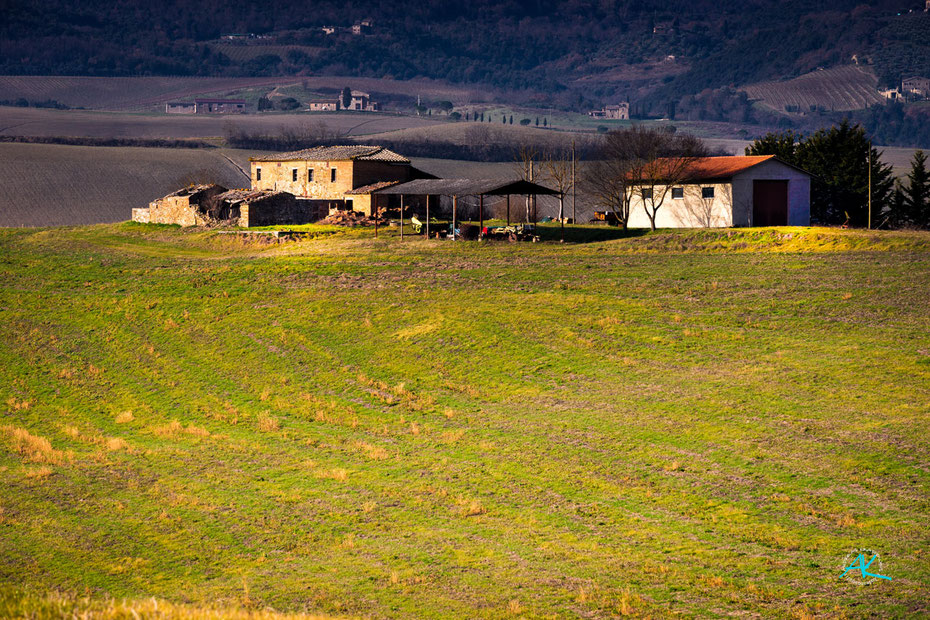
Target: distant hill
841, 88
573, 53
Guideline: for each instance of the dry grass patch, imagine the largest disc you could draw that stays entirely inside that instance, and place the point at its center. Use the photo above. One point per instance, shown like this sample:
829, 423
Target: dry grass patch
170, 429
376, 453
32, 448
38, 473
125, 417
268, 423
116, 443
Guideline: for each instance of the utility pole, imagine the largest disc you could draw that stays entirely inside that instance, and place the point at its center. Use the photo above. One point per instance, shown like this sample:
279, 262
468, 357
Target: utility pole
869, 225
574, 216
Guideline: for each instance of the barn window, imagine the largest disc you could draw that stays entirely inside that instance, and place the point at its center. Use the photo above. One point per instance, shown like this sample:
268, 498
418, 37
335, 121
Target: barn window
294, 175
678, 192
647, 194
332, 175
310, 175
707, 192
258, 174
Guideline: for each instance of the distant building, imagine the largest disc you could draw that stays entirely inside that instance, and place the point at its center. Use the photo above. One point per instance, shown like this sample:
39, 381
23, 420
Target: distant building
180, 107
328, 30
728, 191
324, 105
362, 101
363, 27
891, 94
916, 85
620, 112
219, 106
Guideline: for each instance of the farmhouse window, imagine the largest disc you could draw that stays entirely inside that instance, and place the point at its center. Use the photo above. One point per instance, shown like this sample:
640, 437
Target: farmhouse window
707, 192
332, 175
647, 194
258, 174
678, 192
294, 175
310, 175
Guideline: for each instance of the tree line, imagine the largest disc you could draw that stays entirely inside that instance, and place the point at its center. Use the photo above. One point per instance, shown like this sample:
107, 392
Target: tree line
844, 165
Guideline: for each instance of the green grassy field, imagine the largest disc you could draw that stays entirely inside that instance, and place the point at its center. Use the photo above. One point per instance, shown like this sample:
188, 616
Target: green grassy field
676, 423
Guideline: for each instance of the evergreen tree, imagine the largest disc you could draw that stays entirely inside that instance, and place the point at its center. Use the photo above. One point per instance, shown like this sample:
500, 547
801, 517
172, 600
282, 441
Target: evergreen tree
346, 98
839, 159
917, 193
537, 121
545, 122
511, 119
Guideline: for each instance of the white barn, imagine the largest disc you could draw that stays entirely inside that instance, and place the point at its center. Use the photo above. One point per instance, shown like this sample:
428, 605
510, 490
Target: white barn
730, 191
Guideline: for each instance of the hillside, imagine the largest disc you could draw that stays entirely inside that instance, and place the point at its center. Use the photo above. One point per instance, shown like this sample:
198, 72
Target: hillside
691, 423
571, 53
841, 88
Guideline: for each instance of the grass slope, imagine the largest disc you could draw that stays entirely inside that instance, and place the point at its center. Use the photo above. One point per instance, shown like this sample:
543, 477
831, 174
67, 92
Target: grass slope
697, 423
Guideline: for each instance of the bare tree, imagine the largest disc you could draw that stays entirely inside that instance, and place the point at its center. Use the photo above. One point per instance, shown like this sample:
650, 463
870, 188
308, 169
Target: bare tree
644, 163
660, 161
525, 163
557, 165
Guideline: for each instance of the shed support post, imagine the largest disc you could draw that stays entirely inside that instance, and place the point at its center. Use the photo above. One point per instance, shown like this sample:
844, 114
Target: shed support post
401, 217
427, 215
455, 208
508, 209
480, 214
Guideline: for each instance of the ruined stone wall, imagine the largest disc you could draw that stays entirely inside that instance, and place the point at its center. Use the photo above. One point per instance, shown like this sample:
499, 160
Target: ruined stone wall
278, 209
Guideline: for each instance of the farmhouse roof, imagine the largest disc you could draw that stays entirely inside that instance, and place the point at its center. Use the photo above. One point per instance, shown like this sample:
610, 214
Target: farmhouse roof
338, 153
710, 168
242, 101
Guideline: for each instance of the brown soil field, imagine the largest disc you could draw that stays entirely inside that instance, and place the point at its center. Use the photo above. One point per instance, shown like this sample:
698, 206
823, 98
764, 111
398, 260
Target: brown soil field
141, 93
97, 124
56, 185
840, 88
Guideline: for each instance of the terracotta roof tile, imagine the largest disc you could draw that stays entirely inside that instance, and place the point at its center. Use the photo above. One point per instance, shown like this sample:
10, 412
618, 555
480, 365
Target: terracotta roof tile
338, 153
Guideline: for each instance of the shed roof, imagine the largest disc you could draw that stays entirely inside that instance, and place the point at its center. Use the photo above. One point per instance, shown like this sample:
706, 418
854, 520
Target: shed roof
247, 195
338, 153
233, 101
710, 168
466, 187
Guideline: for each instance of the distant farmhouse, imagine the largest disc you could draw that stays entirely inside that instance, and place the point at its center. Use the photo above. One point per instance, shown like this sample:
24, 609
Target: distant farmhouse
324, 105
891, 94
916, 85
362, 101
728, 191
619, 112
206, 106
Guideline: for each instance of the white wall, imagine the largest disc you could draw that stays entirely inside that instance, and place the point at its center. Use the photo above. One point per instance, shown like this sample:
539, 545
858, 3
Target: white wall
691, 211
799, 192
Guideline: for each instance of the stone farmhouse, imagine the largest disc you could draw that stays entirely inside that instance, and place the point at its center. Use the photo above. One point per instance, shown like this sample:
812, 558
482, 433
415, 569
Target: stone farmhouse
362, 101
334, 177
620, 112
206, 106
324, 105
728, 191
916, 85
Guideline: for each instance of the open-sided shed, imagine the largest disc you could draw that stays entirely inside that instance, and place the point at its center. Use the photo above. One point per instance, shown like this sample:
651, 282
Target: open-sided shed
458, 188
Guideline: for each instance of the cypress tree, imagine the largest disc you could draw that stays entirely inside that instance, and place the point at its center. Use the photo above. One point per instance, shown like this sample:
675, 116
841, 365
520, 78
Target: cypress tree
917, 193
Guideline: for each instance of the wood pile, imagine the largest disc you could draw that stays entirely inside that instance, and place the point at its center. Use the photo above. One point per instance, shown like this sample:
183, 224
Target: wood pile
350, 218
